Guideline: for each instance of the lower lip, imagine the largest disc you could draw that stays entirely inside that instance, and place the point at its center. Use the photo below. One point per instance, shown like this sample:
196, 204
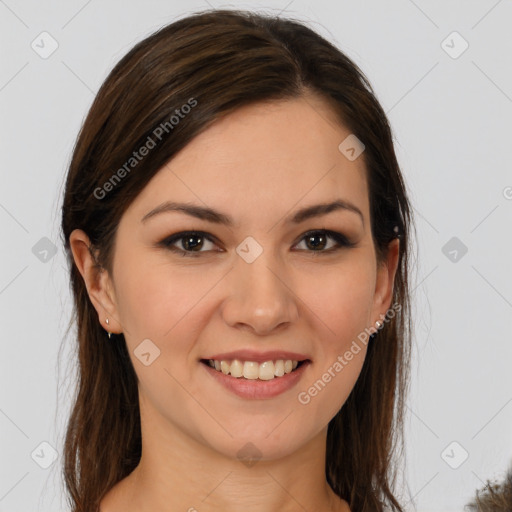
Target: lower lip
255, 388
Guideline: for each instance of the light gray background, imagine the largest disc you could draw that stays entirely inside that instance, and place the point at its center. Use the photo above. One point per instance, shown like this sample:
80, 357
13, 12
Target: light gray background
451, 120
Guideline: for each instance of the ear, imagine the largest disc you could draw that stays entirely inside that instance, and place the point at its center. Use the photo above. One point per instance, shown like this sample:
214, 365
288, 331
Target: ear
97, 281
384, 282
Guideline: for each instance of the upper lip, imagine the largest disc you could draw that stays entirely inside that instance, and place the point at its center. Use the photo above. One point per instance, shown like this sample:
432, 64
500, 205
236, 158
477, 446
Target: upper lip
259, 357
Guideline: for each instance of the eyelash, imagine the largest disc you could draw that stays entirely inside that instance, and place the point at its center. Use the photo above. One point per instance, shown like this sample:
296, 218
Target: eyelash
340, 239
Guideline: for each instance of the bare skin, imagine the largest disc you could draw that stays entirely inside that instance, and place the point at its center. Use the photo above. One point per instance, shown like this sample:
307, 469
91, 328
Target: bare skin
259, 165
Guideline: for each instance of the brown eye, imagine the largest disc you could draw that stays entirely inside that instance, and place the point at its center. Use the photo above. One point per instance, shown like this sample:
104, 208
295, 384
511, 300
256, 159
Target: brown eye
316, 241
191, 242
188, 243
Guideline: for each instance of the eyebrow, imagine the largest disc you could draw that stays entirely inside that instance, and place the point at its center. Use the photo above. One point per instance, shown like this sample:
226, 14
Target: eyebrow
214, 216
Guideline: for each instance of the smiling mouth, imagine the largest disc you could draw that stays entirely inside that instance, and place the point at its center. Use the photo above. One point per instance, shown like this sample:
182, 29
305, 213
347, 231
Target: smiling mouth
252, 370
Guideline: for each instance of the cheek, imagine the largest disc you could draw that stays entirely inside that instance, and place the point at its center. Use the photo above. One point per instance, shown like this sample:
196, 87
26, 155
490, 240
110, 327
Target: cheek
340, 304
156, 300
330, 387
167, 306
341, 299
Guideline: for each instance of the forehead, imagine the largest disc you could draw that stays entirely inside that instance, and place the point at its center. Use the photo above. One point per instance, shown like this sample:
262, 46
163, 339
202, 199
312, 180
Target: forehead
262, 160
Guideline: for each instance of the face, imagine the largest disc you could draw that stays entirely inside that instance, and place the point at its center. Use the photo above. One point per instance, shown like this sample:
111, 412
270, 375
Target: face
263, 283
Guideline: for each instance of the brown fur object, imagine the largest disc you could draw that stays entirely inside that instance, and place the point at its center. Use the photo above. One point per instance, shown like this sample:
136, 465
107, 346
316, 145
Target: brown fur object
494, 497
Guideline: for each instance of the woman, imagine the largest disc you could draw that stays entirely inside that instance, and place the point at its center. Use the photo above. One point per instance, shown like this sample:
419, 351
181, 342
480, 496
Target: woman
237, 227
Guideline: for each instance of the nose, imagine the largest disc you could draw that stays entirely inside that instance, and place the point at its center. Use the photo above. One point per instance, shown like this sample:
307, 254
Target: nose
261, 298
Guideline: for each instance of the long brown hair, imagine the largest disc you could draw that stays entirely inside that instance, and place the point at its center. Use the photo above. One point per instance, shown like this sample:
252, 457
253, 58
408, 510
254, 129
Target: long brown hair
223, 60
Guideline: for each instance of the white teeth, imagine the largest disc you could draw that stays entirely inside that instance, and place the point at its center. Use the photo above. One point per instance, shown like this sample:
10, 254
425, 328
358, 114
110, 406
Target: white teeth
236, 368
252, 370
266, 370
279, 368
224, 366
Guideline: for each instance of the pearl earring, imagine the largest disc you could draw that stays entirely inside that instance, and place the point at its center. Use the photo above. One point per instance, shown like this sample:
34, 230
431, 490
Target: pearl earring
108, 332
374, 334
